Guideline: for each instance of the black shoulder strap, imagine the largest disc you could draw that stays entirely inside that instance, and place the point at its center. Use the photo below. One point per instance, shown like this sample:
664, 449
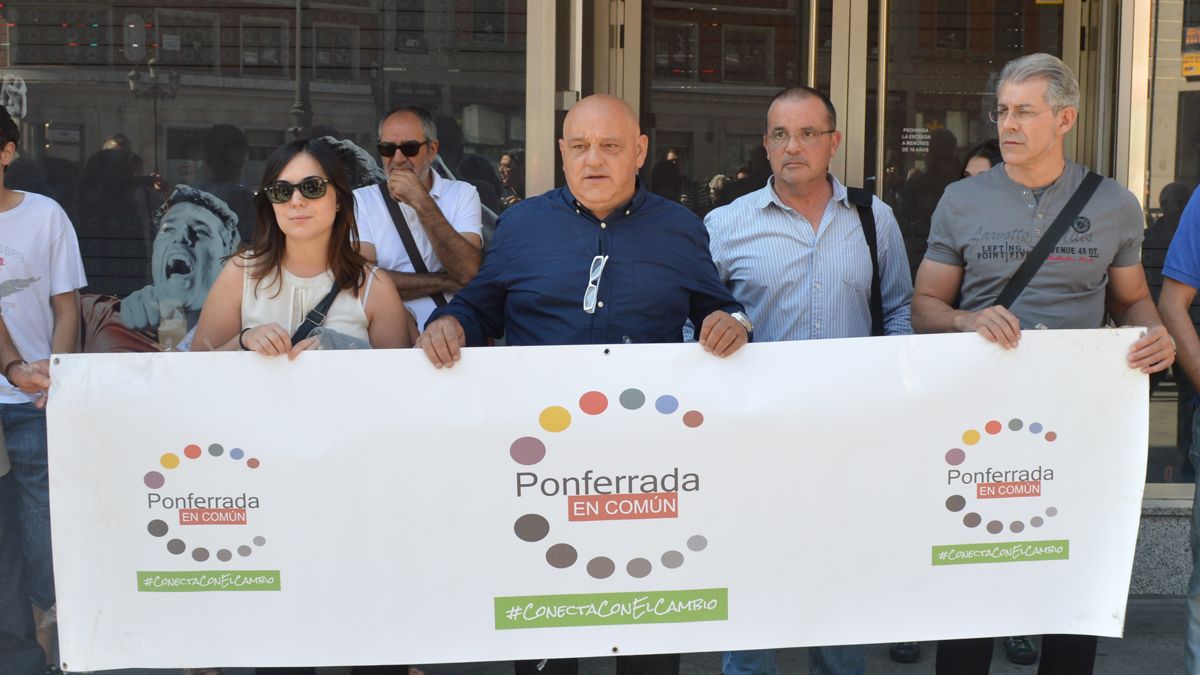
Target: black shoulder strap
1033, 262
410, 245
316, 317
862, 199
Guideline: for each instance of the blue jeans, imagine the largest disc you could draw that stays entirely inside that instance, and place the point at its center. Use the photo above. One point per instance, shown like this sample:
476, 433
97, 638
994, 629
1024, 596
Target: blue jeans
25, 433
19, 652
839, 660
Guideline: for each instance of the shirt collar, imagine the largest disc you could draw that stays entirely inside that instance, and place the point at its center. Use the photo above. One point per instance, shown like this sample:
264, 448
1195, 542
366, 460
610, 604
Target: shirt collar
639, 198
439, 184
766, 196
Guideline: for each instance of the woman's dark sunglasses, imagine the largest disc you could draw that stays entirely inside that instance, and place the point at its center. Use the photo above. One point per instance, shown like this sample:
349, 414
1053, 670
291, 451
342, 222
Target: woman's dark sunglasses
281, 191
407, 148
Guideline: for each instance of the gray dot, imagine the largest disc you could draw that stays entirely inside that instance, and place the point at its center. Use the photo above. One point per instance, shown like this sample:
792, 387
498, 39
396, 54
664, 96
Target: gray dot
157, 528
1015, 424
561, 556
638, 568
224, 555
601, 567
244, 550
259, 541
995, 527
176, 546
1052, 512
672, 560
1036, 521
956, 503
200, 554
697, 543
216, 450
1017, 526
531, 527
632, 399
972, 520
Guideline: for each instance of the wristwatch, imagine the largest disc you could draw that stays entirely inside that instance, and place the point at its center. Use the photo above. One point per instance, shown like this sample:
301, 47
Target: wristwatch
741, 318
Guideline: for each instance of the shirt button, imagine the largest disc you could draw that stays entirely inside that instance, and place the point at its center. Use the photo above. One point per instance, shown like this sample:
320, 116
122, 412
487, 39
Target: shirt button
818, 325
603, 225
1037, 232
817, 285
1041, 215
600, 304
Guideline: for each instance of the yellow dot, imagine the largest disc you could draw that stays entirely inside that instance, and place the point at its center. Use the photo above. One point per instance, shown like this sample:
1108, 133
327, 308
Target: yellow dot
169, 460
554, 419
970, 437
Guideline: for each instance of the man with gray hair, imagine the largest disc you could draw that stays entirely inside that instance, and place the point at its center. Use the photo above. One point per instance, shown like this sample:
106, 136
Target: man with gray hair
419, 214
983, 230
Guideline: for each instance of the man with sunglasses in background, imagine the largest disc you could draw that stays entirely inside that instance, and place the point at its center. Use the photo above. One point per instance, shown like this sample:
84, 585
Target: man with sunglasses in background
795, 253
441, 216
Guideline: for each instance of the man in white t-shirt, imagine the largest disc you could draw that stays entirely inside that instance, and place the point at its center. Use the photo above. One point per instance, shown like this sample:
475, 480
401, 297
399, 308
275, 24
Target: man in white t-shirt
443, 215
40, 274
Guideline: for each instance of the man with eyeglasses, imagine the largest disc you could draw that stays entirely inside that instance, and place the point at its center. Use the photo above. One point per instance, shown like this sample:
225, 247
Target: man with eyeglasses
795, 253
982, 231
443, 216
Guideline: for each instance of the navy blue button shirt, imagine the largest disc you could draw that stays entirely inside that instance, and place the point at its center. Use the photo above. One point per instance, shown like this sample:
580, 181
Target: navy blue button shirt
530, 288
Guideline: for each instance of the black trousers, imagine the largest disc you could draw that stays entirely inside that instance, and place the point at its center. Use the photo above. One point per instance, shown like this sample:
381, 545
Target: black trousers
1061, 655
645, 664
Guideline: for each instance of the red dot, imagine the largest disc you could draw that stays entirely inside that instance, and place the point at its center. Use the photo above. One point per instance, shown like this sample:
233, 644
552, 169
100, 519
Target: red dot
693, 419
192, 451
993, 427
1051, 436
593, 403
252, 463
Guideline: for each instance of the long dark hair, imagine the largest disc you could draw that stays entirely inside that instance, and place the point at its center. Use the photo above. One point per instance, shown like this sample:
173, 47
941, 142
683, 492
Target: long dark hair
264, 254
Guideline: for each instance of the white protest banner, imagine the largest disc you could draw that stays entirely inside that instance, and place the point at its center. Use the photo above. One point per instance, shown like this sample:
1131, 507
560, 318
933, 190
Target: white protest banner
363, 507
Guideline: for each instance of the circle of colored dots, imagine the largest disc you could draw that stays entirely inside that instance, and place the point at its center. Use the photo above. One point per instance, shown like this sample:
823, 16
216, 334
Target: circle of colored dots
601, 567
531, 527
693, 419
200, 554
672, 559
1035, 428
176, 546
154, 480
1016, 526
236, 453
169, 460
995, 527
970, 437
632, 399
224, 555
1015, 424
697, 543
555, 419
244, 550
972, 519
1052, 512
1051, 436
593, 403
561, 556
956, 503
993, 427
252, 463
1036, 521
638, 568
955, 456
216, 449
527, 450
192, 451
157, 528
666, 404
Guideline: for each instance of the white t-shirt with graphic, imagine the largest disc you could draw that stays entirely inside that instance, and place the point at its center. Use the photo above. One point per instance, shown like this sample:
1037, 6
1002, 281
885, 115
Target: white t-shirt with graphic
39, 258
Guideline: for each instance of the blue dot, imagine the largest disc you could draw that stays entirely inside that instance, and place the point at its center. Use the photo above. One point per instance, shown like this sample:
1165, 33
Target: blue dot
666, 404
1035, 428
236, 453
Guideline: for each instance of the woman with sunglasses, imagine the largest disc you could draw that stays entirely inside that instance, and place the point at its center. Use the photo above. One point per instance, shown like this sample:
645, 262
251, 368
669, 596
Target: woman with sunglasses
305, 245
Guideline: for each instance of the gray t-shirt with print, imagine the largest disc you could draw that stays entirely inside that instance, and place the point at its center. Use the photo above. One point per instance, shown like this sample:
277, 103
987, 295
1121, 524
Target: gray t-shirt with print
988, 224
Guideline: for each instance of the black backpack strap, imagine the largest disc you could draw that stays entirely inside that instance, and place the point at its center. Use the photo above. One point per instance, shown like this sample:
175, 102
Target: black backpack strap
863, 200
316, 317
1033, 262
410, 245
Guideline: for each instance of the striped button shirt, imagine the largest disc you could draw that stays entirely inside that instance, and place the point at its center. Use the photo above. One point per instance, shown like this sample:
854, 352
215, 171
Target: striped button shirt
798, 284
